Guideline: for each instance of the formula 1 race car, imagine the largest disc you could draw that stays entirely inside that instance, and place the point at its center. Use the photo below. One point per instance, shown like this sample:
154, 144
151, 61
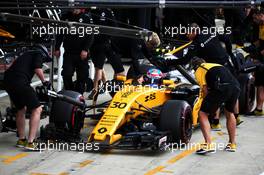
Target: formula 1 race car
150, 114
147, 115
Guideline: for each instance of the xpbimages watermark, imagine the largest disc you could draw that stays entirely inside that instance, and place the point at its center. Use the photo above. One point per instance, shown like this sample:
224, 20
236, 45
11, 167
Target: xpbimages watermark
81, 31
173, 31
86, 147
64, 146
129, 88
192, 146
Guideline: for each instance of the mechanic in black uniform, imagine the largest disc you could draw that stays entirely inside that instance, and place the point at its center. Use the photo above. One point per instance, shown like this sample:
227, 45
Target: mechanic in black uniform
236, 18
102, 49
137, 18
17, 81
76, 54
209, 48
206, 46
150, 53
257, 52
217, 86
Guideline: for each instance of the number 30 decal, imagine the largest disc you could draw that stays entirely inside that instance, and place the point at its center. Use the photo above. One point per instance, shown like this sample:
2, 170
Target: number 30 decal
150, 97
118, 105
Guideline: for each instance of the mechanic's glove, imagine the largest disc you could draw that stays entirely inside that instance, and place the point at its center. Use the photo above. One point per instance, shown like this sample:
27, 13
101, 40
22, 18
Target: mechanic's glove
253, 51
46, 85
146, 80
250, 49
42, 91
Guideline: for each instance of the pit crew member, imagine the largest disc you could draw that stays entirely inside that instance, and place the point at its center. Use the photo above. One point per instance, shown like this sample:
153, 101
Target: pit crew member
17, 81
217, 86
76, 53
210, 49
258, 54
102, 49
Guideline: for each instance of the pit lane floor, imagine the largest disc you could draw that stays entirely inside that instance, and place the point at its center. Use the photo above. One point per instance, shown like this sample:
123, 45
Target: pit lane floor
247, 160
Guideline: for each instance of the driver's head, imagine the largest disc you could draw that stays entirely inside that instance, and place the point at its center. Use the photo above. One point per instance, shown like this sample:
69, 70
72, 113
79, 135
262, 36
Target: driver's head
196, 62
193, 31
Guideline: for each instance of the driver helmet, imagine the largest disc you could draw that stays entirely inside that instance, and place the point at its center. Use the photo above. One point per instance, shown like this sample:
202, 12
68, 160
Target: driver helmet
154, 75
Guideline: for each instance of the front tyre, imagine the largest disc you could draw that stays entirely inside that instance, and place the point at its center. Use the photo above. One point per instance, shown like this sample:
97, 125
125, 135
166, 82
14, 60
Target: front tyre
176, 117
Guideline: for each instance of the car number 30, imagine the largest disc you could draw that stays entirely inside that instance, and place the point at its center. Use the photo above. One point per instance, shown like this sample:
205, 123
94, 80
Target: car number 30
119, 105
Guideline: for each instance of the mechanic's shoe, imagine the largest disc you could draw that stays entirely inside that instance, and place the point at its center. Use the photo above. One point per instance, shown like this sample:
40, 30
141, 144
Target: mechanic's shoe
231, 147
216, 127
239, 120
206, 148
256, 112
259, 112
32, 146
93, 95
21, 143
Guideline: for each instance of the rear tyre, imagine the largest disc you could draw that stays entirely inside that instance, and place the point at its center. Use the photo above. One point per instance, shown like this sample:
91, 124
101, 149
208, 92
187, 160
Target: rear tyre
176, 117
247, 93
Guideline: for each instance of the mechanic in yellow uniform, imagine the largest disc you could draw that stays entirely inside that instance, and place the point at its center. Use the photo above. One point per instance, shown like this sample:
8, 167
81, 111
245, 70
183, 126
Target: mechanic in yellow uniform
217, 86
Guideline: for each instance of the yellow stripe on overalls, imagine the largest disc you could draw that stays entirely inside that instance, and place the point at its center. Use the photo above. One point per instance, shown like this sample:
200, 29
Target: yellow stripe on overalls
261, 32
201, 71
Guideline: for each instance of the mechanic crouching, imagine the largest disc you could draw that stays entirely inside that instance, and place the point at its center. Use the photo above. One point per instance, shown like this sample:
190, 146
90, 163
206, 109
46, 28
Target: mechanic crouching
217, 86
17, 81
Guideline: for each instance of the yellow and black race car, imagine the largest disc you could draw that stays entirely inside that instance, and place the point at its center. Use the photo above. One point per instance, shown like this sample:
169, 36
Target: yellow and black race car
147, 112
144, 113
147, 115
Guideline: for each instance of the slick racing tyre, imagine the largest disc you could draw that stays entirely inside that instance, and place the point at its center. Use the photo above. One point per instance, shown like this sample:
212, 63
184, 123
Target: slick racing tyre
65, 115
247, 93
176, 117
